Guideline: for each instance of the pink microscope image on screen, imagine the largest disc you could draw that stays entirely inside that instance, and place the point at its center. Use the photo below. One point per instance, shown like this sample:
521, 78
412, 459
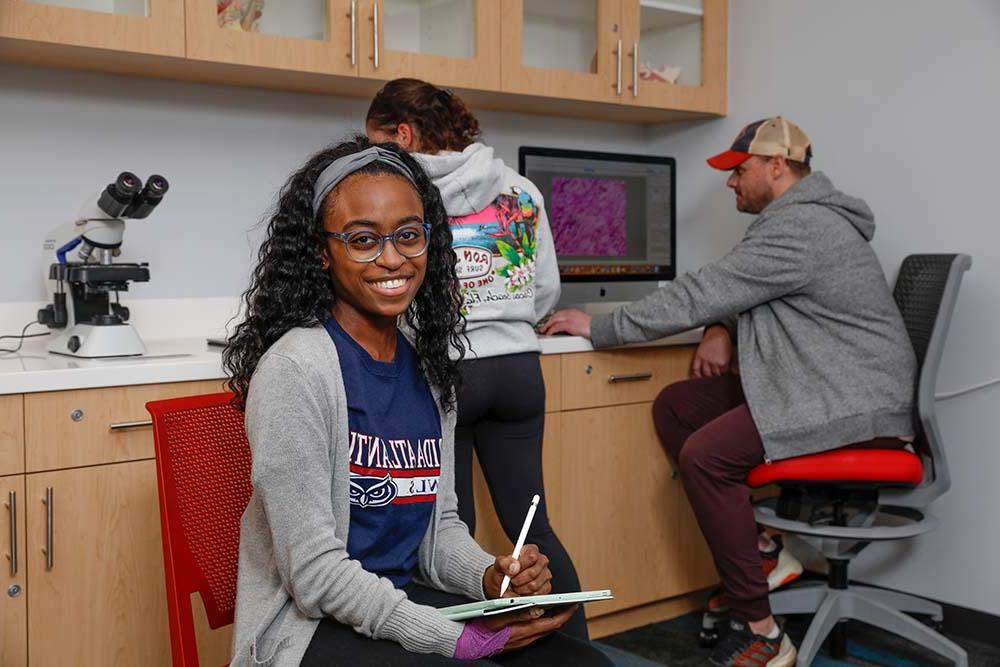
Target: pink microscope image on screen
587, 216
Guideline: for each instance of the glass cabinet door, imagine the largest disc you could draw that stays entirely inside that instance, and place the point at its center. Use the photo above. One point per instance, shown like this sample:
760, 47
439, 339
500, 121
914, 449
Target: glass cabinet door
569, 49
676, 53
446, 42
153, 27
309, 36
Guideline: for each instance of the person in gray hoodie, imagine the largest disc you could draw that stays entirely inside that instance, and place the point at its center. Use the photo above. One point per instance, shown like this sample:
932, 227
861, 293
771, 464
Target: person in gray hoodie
510, 280
824, 360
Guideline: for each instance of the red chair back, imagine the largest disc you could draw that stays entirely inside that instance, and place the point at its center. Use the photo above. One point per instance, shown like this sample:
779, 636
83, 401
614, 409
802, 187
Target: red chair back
203, 475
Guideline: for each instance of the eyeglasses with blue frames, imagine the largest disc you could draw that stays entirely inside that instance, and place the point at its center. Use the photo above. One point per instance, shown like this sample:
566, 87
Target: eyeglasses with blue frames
366, 246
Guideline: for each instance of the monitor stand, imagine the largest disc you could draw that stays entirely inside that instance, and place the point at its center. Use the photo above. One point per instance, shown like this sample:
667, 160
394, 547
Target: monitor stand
601, 297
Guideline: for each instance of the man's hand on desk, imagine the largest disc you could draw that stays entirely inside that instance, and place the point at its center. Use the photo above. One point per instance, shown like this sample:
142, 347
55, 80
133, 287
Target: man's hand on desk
573, 322
714, 355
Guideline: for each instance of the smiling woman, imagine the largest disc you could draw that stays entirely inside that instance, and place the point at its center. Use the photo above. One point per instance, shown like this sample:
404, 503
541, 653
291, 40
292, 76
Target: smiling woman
294, 283
351, 425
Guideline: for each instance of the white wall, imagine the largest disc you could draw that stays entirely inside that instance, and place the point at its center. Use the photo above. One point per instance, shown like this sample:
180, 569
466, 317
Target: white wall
901, 100
225, 151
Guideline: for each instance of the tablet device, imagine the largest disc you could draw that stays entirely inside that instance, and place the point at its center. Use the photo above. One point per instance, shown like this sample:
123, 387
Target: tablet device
462, 612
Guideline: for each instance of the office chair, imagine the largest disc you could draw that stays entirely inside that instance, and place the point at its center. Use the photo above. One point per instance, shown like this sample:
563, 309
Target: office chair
841, 501
203, 475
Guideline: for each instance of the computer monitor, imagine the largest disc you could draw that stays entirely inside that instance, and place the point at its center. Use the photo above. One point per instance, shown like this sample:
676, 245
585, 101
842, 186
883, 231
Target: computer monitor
612, 217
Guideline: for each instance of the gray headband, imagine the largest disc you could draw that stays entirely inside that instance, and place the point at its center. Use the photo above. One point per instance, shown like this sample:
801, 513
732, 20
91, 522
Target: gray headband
343, 167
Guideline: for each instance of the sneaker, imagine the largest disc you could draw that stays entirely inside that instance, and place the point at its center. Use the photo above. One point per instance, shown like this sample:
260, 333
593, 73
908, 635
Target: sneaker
743, 648
780, 566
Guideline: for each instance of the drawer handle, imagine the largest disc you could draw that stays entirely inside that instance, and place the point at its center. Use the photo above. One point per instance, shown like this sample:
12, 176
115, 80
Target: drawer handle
49, 558
629, 377
124, 426
12, 506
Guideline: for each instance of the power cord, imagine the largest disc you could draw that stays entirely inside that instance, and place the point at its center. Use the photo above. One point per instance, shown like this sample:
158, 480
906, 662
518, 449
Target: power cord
21, 337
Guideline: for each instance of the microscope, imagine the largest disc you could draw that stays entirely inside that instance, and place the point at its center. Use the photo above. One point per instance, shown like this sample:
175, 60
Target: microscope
91, 324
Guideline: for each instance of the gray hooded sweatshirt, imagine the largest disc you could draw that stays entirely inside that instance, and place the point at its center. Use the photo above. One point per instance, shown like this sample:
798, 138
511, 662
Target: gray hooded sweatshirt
506, 257
825, 360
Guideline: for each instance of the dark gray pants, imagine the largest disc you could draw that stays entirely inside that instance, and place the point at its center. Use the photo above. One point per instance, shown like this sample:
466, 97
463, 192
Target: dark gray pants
501, 415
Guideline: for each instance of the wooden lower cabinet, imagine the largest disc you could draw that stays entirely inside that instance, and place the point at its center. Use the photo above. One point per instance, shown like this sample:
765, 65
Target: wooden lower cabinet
626, 522
613, 500
91, 567
13, 597
98, 584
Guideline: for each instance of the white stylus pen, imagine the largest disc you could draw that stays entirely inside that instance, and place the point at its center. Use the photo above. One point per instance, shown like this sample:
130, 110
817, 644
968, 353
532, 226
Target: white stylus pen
520, 540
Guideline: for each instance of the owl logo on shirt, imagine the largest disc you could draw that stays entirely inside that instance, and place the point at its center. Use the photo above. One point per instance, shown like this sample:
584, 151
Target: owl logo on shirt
372, 491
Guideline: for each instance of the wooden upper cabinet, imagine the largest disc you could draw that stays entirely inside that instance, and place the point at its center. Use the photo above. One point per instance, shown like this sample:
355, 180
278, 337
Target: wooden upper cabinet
675, 54
154, 27
306, 36
447, 42
564, 49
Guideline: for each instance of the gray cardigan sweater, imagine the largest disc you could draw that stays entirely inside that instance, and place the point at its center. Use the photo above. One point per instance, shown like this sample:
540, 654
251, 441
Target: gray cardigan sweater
293, 567
825, 359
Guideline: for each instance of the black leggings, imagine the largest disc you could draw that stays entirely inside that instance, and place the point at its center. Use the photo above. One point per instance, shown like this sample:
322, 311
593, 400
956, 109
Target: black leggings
336, 644
501, 414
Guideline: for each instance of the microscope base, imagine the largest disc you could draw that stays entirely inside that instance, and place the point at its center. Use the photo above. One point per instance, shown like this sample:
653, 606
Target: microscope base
87, 341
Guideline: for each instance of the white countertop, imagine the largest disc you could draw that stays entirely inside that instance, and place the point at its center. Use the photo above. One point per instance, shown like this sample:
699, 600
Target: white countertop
177, 360
34, 369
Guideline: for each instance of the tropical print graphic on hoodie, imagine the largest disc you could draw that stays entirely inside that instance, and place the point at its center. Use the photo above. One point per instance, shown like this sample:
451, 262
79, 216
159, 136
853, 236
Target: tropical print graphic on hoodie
496, 249
506, 256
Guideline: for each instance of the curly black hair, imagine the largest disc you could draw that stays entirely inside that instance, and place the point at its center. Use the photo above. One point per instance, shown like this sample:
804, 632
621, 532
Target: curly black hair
290, 288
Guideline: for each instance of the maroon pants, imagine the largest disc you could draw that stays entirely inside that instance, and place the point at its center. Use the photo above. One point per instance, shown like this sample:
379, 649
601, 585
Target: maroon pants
706, 427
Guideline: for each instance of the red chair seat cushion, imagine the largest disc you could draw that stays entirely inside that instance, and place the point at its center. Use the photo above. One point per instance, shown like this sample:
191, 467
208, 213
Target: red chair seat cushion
868, 466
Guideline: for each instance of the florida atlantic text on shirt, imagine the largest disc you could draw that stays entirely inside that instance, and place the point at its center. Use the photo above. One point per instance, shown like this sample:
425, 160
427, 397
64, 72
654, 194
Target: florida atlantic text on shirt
388, 471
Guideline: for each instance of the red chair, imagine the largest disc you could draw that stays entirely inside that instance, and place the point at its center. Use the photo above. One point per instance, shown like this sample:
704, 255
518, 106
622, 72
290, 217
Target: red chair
841, 501
203, 475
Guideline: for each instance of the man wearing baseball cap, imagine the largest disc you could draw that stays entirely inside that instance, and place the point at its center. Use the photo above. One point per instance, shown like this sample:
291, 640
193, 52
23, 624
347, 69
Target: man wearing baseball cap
824, 362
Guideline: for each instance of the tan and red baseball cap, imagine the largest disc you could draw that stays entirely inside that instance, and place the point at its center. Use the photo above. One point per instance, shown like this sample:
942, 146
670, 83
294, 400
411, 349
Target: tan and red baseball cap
768, 137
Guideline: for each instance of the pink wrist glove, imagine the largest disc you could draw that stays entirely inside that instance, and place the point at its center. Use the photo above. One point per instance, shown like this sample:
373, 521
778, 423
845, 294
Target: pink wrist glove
478, 641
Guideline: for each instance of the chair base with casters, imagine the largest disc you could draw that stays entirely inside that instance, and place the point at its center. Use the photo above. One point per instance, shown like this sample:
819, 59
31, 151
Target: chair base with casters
835, 600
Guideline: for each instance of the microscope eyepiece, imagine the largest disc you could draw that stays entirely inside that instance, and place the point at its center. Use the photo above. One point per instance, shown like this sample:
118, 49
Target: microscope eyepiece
127, 183
157, 184
144, 202
118, 195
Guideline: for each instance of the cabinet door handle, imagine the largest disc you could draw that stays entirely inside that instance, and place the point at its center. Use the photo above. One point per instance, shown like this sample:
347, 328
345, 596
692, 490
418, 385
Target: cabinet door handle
354, 32
618, 53
49, 559
12, 506
635, 69
375, 31
629, 377
124, 426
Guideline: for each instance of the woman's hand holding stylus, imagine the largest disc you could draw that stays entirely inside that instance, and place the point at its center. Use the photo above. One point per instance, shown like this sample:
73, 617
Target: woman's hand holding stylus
529, 574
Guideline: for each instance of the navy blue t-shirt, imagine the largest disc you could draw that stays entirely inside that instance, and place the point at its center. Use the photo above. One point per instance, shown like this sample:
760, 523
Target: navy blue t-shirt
395, 455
